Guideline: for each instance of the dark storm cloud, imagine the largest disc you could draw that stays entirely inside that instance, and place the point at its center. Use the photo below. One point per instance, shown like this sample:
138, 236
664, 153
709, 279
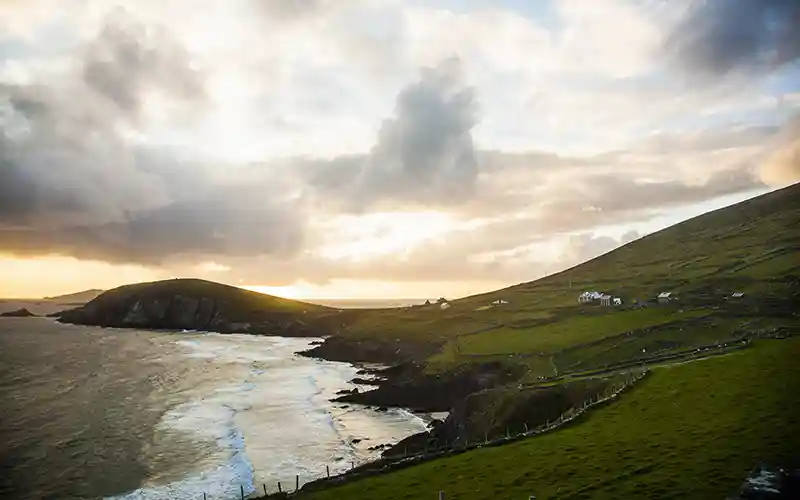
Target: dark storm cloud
718, 37
423, 155
426, 152
62, 162
230, 222
70, 183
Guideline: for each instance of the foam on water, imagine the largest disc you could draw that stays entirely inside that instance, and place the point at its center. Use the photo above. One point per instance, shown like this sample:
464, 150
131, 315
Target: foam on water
268, 415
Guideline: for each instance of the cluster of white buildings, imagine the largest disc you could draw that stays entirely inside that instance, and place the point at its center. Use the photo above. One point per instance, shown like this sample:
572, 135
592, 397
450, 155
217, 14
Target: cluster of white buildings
603, 298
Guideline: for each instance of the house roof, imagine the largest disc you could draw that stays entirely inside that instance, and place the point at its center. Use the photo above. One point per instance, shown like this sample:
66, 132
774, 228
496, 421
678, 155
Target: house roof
664, 295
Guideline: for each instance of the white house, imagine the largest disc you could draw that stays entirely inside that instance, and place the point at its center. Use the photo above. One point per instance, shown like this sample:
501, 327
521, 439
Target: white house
444, 305
499, 302
617, 301
586, 297
665, 296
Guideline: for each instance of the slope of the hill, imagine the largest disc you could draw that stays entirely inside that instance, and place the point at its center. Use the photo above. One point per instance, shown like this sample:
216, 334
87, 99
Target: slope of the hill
750, 247
202, 305
689, 430
733, 274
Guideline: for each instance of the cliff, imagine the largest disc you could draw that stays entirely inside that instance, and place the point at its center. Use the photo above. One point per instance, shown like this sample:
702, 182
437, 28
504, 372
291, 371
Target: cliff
194, 304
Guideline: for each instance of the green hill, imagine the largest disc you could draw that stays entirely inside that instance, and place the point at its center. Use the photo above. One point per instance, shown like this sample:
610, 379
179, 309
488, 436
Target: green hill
202, 305
713, 408
691, 430
750, 247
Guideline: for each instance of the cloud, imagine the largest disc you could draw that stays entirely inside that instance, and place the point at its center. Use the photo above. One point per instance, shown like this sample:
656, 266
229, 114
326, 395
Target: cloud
424, 154
62, 161
585, 246
718, 38
579, 127
781, 166
223, 222
74, 182
127, 59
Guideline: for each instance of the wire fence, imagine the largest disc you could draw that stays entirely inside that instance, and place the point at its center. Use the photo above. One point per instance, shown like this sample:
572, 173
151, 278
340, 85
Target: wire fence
392, 462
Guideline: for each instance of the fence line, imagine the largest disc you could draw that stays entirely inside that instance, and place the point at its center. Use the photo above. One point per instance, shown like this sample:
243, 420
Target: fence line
388, 463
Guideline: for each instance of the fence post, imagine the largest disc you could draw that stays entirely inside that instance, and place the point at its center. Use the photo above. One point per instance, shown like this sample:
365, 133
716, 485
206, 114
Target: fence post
441, 495
204, 495
296, 482
328, 471
526, 428
485, 437
507, 434
280, 490
241, 489
265, 489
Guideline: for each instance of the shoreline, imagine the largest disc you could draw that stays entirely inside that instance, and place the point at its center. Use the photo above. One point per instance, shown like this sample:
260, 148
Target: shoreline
354, 424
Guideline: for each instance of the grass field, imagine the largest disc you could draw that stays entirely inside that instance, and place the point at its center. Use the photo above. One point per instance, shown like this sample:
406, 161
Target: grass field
690, 430
570, 331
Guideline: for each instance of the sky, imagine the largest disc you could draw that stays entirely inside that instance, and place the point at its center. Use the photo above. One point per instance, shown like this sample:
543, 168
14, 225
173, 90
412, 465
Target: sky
377, 148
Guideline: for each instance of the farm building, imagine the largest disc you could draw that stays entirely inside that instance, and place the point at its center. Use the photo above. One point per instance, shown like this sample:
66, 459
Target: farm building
665, 297
605, 300
586, 297
737, 295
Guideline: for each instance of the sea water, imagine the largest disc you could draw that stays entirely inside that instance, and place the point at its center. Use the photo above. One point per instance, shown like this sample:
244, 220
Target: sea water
175, 415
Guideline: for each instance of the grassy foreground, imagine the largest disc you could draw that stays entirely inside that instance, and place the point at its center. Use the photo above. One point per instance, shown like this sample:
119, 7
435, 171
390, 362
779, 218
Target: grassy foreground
690, 430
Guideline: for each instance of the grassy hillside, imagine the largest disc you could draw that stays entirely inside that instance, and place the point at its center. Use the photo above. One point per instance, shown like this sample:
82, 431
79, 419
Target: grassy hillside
750, 247
690, 430
694, 429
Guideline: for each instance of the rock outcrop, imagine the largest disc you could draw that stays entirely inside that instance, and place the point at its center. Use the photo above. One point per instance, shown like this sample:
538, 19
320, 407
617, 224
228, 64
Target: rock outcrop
19, 313
190, 304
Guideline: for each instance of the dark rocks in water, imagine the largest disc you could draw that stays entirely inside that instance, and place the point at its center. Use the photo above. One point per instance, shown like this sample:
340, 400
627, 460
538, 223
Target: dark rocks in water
19, 313
355, 441
346, 391
366, 381
382, 409
409, 387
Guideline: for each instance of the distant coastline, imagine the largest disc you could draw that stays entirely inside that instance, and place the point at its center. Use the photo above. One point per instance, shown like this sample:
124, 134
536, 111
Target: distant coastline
366, 303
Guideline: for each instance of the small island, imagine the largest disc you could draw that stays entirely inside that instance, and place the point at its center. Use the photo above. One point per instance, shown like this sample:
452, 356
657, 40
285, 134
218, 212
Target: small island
19, 313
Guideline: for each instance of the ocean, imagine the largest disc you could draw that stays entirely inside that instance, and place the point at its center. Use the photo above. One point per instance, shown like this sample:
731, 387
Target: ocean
127, 414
